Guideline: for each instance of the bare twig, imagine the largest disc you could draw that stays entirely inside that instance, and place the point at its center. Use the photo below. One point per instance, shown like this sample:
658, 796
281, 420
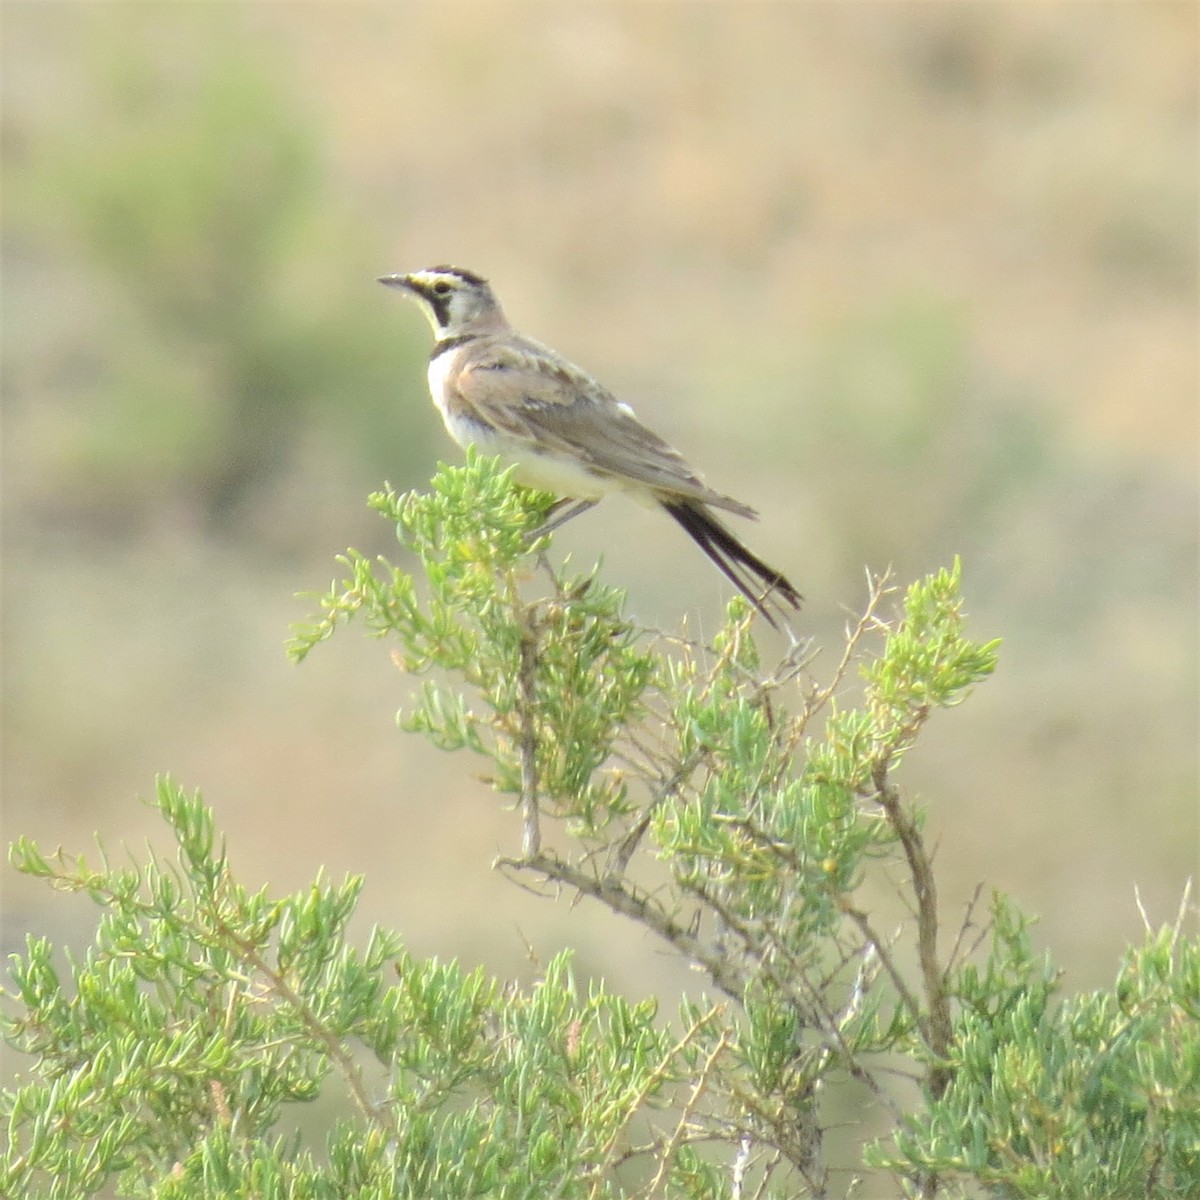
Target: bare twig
698, 1090
967, 921
939, 1028
670, 787
767, 1172
624, 899
878, 586
531, 834
910, 1002
741, 1160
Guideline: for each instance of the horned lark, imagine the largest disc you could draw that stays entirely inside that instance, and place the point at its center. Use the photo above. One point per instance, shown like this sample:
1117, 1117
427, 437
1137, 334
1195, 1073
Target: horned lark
513, 397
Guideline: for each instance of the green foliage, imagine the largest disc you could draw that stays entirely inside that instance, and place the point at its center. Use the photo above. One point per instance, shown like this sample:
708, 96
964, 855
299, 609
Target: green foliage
926, 662
555, 680
166, 1057
731, 811
1069, 1096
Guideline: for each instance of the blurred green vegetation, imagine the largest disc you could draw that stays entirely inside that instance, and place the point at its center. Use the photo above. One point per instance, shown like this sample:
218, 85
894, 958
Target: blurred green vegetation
219, 286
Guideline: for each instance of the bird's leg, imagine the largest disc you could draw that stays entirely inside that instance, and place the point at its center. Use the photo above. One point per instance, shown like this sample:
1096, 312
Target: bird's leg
573, 510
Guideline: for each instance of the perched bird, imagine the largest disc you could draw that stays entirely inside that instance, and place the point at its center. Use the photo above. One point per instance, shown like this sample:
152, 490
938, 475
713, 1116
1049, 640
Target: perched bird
513, 397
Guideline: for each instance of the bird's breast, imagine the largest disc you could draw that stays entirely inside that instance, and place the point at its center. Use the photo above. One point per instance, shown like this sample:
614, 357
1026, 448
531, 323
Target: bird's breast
439, 375
561, 474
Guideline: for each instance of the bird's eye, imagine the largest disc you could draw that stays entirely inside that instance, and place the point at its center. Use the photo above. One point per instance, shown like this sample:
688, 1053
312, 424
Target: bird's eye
441, 288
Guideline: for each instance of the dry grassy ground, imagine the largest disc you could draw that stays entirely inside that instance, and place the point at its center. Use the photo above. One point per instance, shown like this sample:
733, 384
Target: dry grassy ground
914, 280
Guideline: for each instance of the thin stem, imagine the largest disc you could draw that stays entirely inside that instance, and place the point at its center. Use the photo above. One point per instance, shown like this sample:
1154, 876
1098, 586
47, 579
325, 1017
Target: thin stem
531, 833
658, 1183
621, 898
939, 1026
907, 998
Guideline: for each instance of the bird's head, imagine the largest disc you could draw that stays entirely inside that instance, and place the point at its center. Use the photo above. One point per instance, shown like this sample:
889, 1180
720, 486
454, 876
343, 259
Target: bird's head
455, 301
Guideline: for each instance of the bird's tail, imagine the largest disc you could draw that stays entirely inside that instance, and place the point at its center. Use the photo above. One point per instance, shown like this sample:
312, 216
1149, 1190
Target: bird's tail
732, 557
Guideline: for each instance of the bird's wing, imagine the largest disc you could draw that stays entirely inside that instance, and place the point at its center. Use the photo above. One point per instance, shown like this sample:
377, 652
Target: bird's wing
528, 393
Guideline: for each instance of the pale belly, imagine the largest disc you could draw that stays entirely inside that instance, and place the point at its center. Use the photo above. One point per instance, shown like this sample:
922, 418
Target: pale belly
548, 474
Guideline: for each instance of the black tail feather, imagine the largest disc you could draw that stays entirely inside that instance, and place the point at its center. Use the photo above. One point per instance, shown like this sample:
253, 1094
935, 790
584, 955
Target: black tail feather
725, 550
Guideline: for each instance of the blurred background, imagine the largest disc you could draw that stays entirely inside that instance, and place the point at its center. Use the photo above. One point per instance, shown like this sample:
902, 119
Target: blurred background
914, 280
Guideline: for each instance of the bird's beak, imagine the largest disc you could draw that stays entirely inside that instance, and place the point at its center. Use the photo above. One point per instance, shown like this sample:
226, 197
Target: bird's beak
398, 281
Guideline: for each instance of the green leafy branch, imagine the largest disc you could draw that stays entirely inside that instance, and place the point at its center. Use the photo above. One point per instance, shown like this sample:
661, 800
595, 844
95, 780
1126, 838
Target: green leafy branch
204, 1009
690, 755
736, 811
